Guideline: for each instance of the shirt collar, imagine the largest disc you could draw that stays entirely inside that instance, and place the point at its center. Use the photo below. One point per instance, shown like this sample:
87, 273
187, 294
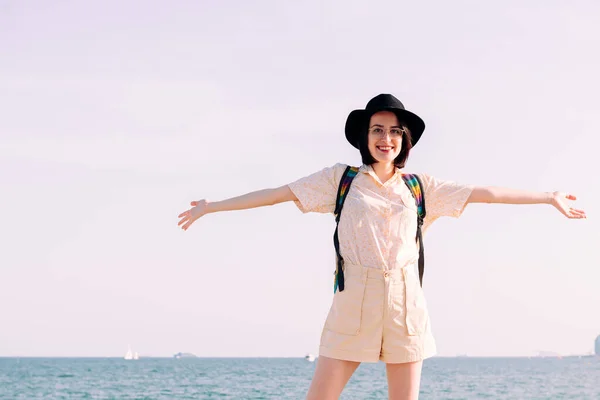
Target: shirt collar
365, 168
368, 169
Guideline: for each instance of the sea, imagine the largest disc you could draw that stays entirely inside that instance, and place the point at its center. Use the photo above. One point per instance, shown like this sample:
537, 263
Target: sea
288, 378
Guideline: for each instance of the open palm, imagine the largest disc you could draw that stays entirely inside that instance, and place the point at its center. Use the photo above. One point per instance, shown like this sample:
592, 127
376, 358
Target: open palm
562, 203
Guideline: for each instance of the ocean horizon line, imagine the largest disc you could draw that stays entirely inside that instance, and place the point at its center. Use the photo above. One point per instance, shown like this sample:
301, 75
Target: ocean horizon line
282, 357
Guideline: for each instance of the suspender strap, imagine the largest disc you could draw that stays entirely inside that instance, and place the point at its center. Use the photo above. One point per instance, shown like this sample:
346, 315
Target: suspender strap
343, 189
414, 184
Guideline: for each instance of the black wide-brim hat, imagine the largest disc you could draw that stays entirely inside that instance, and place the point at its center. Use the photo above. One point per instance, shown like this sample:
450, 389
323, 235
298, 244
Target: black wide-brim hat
358, 120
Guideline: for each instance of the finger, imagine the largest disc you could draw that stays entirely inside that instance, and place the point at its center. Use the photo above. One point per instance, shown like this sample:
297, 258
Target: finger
183, 214
183, 220
576, 214
571, 197
580, 215
194, 203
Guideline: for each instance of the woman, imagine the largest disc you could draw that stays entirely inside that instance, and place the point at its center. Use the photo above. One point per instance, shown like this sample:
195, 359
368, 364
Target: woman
381, 313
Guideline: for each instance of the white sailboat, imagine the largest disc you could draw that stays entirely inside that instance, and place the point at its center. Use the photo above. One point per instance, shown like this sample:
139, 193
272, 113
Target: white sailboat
129, 355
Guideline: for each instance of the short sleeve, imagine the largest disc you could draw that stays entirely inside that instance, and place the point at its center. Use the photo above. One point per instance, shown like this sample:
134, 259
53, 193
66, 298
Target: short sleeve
444, 198
317, 192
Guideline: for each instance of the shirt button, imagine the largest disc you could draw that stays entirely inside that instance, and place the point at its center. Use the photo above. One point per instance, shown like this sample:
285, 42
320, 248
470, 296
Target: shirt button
386, 274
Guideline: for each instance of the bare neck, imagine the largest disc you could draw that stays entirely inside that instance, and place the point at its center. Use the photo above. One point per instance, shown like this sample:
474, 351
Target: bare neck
384, 171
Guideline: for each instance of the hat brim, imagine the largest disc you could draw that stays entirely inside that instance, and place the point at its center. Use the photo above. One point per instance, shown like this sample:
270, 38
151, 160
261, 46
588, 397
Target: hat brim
359, 119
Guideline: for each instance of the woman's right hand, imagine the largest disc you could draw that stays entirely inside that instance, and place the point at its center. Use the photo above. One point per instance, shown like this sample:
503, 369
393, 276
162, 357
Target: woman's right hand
259, 198
199, 208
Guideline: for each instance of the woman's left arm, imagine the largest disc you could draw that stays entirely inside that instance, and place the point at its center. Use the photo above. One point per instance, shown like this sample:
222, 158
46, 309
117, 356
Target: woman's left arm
490, 194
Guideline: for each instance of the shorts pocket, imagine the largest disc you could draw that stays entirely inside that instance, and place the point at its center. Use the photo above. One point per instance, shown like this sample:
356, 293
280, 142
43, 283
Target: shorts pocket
416, 306
345, 313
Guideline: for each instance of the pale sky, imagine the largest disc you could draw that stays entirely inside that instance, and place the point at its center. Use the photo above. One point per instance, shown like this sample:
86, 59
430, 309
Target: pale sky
115, 114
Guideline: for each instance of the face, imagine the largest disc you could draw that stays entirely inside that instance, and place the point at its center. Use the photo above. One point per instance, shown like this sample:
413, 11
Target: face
385, 136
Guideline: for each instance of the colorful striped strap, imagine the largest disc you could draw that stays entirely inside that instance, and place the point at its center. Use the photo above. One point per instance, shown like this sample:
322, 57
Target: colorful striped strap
349, 174
415, 186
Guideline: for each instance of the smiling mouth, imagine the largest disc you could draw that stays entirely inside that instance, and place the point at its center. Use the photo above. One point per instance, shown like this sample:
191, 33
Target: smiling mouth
385, 148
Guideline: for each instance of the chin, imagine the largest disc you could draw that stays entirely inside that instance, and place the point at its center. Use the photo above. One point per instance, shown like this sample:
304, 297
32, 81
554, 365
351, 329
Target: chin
389, 159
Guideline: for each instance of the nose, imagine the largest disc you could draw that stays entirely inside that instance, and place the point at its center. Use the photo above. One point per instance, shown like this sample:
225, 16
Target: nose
387, 133
387, 136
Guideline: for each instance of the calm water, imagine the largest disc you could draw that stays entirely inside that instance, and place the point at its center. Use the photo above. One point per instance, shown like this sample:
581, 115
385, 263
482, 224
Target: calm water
263, 378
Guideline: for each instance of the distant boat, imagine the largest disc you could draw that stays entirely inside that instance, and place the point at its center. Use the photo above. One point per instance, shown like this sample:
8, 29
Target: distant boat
545, 354
184, 355
310, 357
130, 355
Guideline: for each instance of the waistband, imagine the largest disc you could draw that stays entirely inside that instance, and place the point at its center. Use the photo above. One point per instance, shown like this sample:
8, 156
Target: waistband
406, 273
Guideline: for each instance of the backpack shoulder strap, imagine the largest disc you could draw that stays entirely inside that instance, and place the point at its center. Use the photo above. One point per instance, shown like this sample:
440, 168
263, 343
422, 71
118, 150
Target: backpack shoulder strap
343, 189
349, 174
416, 188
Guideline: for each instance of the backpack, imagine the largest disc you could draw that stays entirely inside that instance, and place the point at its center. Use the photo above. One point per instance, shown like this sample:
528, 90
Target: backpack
414, 185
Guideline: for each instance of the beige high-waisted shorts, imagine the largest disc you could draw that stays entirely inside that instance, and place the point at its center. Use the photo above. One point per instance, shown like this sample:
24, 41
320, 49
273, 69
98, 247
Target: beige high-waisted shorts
380, 315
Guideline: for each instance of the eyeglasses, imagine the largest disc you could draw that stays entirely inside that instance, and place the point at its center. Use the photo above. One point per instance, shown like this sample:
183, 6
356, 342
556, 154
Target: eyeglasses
380, 132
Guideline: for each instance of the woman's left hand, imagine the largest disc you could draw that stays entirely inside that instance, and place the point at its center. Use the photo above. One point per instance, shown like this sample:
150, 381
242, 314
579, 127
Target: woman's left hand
561, 202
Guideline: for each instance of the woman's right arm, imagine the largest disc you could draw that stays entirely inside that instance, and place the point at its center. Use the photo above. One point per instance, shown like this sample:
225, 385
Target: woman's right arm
259, 198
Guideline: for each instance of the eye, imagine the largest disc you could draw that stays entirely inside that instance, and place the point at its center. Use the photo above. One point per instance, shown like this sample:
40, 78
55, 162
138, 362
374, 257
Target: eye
396, 132
377, 130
